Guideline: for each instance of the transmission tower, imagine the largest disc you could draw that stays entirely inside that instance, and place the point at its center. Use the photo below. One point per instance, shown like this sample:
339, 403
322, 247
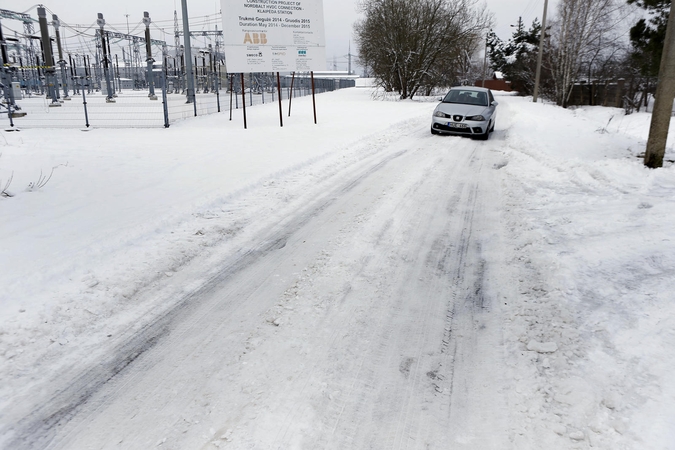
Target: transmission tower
176, 32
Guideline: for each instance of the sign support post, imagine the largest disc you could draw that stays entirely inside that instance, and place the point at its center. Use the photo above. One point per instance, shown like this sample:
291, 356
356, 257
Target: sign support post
290, 95
313, 96
243, 97
281, 115
231, 93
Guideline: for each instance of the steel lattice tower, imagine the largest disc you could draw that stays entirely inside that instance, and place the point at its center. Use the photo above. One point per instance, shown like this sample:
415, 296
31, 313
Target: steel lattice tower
176, 30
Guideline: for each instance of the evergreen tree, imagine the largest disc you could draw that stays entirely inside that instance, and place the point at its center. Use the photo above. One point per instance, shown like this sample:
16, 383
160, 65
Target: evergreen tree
648, 36
516, 59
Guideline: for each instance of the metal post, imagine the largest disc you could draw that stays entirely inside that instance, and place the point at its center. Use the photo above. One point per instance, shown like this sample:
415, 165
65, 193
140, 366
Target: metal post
231, 93
349, 70
188, 56
50, 73
663, 106
126, 65
313, 96
183, 79
211, 72
88, 71
217, 86
281, 116
148, 56
84, 102
205, 75
130, 63
165, 104
117, 72
196, 74
542, 38
178, 76
64, 77
112, 66
290, 95
243, 95
101, 23
10, 115
38, 78
73, 74
97, 67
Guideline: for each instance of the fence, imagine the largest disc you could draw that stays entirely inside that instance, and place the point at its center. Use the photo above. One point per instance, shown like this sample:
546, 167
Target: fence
598, 93
495, 85
134, 109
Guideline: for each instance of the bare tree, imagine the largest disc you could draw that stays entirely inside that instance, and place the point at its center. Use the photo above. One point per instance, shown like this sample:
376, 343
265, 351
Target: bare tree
584, 33
414, 44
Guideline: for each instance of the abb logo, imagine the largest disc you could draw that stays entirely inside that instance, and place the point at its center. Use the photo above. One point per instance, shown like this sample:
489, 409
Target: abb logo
255, 38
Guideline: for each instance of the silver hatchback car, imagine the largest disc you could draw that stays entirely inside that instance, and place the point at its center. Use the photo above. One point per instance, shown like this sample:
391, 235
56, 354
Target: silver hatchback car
466, 110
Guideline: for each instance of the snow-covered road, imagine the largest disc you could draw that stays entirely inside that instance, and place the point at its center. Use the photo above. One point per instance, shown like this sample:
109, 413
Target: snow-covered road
356, 284
364, 318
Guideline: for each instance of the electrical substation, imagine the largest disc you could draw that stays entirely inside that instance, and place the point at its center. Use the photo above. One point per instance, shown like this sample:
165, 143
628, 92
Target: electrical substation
60, 75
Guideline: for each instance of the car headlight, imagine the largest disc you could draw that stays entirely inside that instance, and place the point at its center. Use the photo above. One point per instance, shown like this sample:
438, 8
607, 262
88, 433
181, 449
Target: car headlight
476, 118
439, 114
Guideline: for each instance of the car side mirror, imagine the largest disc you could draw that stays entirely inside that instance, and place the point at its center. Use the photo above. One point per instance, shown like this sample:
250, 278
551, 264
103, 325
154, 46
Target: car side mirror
440, 99
494, 103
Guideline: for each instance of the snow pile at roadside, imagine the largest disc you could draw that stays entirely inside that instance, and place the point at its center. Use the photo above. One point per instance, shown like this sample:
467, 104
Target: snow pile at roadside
592, 320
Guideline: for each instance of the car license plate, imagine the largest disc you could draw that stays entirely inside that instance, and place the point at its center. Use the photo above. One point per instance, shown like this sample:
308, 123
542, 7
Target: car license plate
457, 125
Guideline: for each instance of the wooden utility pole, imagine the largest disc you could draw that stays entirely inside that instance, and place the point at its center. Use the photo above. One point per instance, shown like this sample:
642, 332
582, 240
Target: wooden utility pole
485, 60
542, 38
663, 105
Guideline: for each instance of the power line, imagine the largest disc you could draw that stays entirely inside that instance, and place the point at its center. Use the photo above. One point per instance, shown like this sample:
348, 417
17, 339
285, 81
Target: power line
532, 8
194, 20
30, 9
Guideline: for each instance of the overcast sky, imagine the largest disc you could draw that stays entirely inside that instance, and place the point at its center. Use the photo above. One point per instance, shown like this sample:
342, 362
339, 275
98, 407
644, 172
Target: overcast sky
339, 17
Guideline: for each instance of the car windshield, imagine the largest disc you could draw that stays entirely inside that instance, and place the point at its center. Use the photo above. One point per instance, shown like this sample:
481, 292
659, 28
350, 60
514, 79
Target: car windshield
466, 97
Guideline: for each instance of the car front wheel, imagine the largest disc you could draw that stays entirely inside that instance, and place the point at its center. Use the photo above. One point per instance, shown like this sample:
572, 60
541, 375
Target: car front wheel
483, 136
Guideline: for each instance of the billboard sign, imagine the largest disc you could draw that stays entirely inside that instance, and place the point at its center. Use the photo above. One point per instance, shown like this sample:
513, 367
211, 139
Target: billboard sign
274, 35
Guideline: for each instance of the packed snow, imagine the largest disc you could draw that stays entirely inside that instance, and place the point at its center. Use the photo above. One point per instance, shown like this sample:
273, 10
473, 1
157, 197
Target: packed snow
353, 284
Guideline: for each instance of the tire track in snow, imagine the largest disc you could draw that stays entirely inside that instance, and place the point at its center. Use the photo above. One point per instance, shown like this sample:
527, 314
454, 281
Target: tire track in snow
428, 376
383, 333
436, 287
40, 427
471, 338
377, 347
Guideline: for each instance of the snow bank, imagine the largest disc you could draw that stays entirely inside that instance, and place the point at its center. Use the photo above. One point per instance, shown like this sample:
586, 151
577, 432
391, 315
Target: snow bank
591, 340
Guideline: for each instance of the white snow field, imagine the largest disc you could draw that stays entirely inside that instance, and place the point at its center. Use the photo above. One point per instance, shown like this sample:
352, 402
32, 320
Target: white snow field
356, 284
